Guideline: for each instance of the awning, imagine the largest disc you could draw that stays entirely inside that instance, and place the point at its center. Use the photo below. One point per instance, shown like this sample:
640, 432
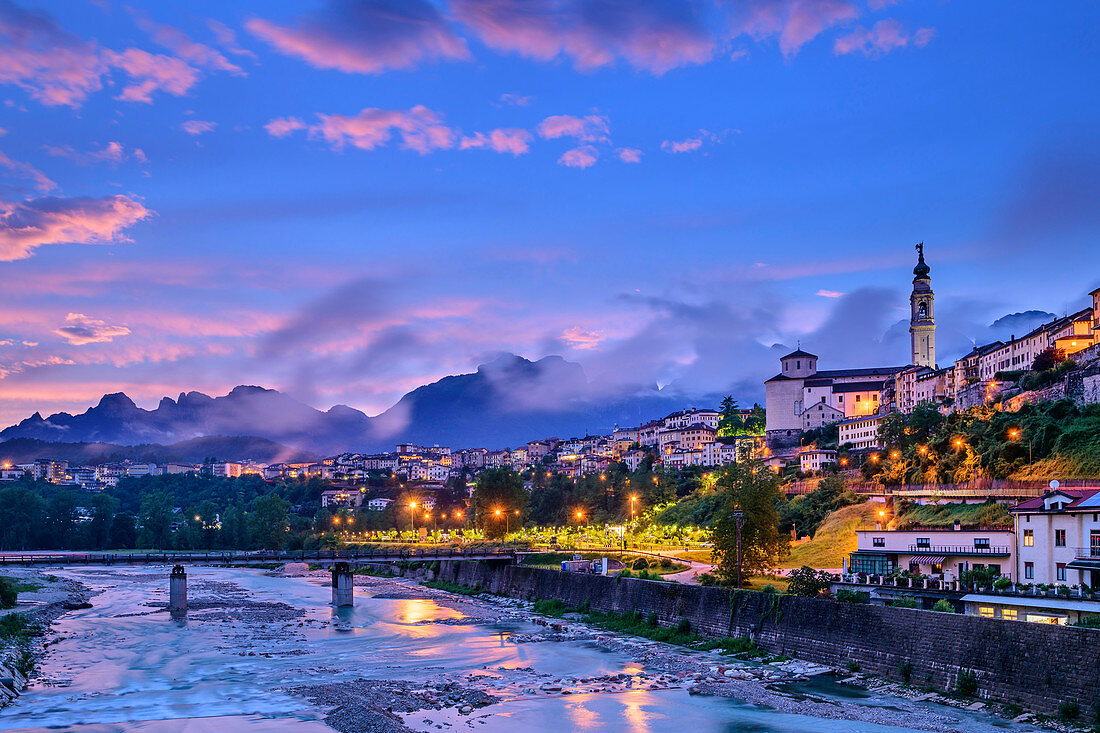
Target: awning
1084, 565
927, 559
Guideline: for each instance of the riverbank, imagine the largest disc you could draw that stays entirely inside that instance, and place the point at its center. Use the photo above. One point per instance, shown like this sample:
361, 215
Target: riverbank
42, 599
778, 683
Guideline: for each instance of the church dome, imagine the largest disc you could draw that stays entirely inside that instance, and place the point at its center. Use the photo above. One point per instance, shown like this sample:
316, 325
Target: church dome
922, 269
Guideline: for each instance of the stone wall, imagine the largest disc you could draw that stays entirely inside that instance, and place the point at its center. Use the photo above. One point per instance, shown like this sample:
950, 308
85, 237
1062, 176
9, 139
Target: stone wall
1036, 666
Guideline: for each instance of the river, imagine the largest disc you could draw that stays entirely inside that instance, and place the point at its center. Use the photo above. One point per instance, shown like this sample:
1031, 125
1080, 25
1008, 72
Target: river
125, 666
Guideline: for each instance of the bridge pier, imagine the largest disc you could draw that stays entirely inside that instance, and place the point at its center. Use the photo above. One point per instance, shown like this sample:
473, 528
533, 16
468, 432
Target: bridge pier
343, 585
177, 591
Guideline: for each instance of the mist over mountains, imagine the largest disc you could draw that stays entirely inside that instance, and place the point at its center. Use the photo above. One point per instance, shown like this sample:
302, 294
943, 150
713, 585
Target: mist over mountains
507, 401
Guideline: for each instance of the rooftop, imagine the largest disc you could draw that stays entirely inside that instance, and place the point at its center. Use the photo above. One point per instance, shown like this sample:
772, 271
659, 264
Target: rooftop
1082, 499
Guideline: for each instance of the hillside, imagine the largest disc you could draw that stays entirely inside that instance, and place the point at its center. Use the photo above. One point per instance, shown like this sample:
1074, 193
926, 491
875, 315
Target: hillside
196, 450
835, 538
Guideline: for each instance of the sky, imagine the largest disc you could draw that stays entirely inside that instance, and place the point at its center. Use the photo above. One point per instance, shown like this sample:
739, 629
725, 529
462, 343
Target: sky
347, 199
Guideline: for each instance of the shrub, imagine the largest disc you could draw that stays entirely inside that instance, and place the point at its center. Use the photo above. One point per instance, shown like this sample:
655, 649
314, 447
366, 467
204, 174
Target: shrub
666, 563
807, 582
905, 669
8, 593
625, 573
852, 596
853, 666
551, 607
769, 588
640, 564
707, 579
683, 627
1068, 710
651, 619
905, 602
1002, 583
944, 606
1088, 622
967, 683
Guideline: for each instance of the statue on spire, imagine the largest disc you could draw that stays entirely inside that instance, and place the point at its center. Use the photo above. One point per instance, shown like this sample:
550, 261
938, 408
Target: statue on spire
922, 269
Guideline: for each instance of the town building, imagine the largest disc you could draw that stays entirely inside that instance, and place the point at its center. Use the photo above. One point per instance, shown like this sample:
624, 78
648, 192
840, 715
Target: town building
347, 498
861, 433
1059, 538
811, 461
936, 551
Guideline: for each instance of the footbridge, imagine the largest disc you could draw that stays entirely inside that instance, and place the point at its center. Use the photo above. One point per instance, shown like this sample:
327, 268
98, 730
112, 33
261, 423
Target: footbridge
259, 557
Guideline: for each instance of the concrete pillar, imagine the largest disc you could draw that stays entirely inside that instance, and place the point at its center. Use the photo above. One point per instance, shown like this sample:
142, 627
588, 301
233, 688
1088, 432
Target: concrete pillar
343, 585
177, 590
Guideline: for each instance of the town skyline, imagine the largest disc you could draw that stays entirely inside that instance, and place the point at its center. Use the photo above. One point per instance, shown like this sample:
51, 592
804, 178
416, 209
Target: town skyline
569, 197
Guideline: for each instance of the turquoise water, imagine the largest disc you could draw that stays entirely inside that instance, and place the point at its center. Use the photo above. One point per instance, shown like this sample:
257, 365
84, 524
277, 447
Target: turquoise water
117, 671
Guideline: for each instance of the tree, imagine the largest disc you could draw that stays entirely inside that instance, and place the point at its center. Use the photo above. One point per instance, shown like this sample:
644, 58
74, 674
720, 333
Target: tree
1048, 358
61, 519
104, 507
498, 489
267, 521
20, 518
807, 582
731, 422
156, 519
123, 531
755, 492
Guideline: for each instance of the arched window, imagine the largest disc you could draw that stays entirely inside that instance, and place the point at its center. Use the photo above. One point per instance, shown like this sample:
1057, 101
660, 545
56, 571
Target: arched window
922, 311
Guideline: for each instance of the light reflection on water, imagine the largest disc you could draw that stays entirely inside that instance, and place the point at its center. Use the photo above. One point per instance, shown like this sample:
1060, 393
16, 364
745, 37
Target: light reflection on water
190, 676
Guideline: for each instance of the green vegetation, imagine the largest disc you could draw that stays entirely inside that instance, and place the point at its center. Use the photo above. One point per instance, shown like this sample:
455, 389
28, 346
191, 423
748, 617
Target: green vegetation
1088, 622
808, 583
806, 513
16, 626
986, 442
9, 593
551, 607
733, 423
1069, 710
966, 685
905, 602
756, 496
835, 538
905, 671
499, 501
987, 514
680, 635
456, 588
853, 596
853, 666
944, 606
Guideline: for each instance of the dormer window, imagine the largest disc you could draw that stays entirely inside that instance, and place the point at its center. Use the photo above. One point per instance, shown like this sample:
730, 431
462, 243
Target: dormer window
798, 364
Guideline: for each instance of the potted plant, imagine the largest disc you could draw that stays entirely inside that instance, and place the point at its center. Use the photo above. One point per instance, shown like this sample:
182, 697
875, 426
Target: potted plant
1001, 584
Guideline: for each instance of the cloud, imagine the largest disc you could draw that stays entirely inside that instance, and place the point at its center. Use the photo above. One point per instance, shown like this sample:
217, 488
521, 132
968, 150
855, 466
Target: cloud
514, 141
830, 294
227, 38
515, 100
629, 155
54, 220
365, 36
28, 171
187, 49
420, 129
53, 65
80, 329
283, 126
583, 157
794, 22
688, 145
581, 338
653, 35
882, 38
589, 129
198, 127
113, 152
152, 73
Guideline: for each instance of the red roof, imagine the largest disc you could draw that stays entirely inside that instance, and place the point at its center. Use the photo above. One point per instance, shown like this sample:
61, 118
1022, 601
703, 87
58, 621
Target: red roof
1079, 496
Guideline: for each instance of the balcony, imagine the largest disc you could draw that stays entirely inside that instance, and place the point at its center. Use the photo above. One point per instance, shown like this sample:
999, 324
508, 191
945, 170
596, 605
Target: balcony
1087, 553
957, 550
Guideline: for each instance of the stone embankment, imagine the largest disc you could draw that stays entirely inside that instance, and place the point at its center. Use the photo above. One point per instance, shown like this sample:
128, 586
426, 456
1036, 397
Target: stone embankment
19, 653
1034, 666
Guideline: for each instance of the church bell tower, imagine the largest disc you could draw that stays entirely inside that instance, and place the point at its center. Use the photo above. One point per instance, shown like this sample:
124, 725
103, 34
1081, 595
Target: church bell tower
922, 322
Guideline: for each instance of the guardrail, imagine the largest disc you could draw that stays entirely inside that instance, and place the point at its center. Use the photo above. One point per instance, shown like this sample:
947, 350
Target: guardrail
495, 552
1086, 553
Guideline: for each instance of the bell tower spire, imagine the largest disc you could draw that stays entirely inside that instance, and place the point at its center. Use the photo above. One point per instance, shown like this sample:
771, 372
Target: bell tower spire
922, 322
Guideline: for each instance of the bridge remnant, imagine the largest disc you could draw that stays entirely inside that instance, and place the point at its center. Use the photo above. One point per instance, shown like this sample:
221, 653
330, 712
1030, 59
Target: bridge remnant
177, 591
343, 585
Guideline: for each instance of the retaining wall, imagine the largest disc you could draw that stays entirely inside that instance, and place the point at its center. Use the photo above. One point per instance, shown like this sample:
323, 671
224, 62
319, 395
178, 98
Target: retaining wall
1036, 666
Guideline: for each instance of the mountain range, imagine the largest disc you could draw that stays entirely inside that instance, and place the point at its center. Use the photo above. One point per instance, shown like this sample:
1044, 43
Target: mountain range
506, 402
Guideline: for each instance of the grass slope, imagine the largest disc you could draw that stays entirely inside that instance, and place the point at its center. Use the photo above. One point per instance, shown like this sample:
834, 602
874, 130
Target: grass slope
945, 515
835, 538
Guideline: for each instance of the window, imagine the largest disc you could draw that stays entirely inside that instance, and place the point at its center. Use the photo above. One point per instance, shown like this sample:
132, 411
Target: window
1029, 538
878, 541
857, 398
924, 542
798, 365
1059, 538
1009, 614
981, 543
1060, 572
1029, 571
986, 611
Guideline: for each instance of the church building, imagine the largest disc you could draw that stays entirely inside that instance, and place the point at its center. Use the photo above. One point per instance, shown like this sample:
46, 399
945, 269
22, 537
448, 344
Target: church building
802, 398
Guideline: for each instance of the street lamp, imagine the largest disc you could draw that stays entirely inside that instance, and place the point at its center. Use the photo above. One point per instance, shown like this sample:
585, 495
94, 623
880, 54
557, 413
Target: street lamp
412, 519
1014, 433
738, 517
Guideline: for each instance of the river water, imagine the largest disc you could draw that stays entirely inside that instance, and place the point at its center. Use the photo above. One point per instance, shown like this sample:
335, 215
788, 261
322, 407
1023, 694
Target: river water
123, 666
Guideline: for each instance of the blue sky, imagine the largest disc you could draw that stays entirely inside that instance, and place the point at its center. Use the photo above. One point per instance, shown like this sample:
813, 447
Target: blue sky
346, 199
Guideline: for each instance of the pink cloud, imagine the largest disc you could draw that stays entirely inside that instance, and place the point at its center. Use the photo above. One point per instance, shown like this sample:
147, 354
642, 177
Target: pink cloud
629, 155
583, 157
882, 38
113, 152
28, 171
515, 100
365, 37
581, 338
53, 65
654, 35
794, 22
187, 49
591, 128
830, 293
689, 145
152, 73
881, 4
80, 329
283, 126
198, 127
53, 220
511, 140
227, 38
420, 129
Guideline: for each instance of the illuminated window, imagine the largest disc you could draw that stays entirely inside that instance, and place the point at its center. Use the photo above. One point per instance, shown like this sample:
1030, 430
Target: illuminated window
986, 611
1009, 614
1029, 538
878, 541
1059, 538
